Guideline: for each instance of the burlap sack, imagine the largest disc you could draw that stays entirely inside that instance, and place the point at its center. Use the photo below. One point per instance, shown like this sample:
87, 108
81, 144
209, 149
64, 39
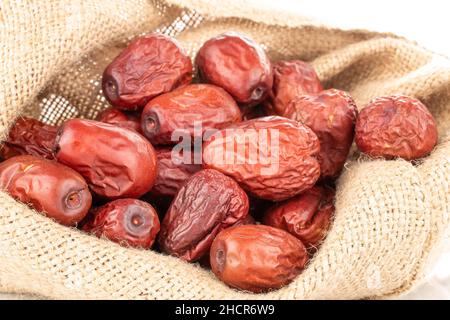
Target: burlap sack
390, 215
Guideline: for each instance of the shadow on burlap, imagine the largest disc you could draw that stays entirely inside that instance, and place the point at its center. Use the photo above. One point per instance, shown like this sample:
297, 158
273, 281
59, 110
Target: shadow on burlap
390, 215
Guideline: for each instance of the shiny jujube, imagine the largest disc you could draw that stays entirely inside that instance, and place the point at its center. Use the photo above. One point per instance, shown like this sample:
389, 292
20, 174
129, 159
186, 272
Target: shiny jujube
116, 162
128, 120
208, 203
204, 105
173, 172
237, 64
125, 221
306, 216
47, 186
149, 66
291, 79
396, 126
273, 158
331, 114
257, 258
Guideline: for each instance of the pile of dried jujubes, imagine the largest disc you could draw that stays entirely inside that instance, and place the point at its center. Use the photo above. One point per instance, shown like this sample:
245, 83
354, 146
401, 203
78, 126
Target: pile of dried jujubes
254, 222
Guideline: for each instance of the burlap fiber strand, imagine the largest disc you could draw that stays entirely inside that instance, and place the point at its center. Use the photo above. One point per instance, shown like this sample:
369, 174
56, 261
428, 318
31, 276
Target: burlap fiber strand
390, 215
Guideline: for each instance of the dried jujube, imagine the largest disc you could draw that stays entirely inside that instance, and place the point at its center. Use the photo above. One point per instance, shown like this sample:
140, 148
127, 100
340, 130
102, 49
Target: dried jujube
131, 222
116, 162
396, 126
257, 258
128, 120
306, 216
291, 79
331, 114
29, 136
237, 64
204, 105
273, 158
173, 171
208, 203
149, 66
205, 259
47, 186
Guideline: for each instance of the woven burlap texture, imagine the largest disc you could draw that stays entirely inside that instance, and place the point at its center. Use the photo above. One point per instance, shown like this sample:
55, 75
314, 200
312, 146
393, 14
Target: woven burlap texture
390, 215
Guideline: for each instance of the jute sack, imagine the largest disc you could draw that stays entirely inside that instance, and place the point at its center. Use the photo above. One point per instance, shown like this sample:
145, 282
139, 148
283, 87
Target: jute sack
390, 218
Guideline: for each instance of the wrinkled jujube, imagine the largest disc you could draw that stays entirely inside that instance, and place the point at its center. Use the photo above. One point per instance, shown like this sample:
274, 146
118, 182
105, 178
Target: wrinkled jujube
149, 66
273, 158
306, 216
331, 114
125, 221
205, 259
396, 126
124, 119
257, 258
47, 186
203, 105
29, 136
291, 79
238, 65
115, 162
172, 171
208, 203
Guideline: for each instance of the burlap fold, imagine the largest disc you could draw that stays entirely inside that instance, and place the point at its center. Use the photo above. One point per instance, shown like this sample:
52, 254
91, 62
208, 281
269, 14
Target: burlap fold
391, 216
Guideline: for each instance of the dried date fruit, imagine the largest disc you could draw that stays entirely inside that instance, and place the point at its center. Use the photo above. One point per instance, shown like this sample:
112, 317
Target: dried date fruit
149, 66
125, 221
396, 126
182, 109
47, 186
273, 158
208, 203
116, 162
238, 65
172, 172
306, 216
291, 79
331, 114
124, 119
29, 136
205, 259
257, 258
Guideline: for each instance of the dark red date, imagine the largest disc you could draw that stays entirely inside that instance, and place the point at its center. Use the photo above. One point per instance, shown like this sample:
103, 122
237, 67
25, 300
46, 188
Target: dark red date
238, 65
257, 258
306, 216
116, 162
172, 171
124, 119
273, 158
126, 221
29, 136
202, 104
331, 114
205, 259
291, 79
149, 66
47, 186
208, 203
396, 126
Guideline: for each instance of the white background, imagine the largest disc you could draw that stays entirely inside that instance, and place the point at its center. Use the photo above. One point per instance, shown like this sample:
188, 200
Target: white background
427, 23
424, 21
